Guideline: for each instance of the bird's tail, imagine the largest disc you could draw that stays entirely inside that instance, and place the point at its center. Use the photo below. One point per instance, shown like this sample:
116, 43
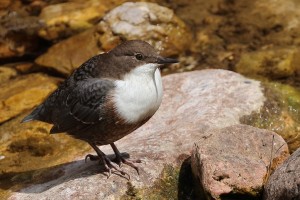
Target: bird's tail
34, 115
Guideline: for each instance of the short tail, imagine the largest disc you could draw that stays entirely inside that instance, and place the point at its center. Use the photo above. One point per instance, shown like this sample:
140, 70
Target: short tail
28, 118
34, 115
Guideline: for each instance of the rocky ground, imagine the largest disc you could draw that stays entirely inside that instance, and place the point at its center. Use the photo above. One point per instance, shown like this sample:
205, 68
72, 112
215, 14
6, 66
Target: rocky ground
217, 135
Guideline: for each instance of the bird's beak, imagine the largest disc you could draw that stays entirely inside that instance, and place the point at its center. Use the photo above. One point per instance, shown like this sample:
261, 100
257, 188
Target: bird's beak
162, 60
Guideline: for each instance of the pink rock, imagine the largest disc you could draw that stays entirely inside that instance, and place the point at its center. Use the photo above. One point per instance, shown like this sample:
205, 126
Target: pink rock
233, 161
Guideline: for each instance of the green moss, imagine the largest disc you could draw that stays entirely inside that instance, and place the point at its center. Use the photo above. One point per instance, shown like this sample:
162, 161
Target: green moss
280, 112
132, 193
164, 188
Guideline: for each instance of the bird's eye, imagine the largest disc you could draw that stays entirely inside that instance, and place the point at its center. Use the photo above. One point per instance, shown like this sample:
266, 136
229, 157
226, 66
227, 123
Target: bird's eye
139, 56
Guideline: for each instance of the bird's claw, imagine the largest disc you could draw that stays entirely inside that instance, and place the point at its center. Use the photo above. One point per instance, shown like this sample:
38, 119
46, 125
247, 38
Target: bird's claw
121, 160
91, 157
130, 163
109, 166
114, 164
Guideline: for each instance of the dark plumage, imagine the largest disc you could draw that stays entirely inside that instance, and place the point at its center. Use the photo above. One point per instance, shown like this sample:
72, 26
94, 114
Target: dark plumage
85, 105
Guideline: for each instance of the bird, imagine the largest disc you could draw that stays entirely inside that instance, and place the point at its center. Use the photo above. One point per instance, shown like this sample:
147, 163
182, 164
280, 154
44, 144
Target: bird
106, 98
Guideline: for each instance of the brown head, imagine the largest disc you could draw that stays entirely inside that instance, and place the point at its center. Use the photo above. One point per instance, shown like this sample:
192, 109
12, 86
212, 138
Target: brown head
128, 56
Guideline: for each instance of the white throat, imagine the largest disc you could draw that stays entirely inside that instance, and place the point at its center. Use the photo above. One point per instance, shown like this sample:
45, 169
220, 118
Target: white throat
139, 94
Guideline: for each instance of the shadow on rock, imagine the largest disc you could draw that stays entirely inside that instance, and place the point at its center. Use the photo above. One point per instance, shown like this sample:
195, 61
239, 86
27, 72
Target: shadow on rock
49, 177
186, 187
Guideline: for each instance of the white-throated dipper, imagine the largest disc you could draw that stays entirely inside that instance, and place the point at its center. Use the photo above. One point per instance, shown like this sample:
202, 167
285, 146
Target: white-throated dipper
106, 98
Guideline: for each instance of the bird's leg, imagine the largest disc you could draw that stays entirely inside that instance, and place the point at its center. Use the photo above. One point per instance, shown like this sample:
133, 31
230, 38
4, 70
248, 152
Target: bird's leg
120, 159
105, 160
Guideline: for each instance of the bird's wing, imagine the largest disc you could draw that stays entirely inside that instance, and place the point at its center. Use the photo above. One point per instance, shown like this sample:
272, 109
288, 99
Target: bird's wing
84, 105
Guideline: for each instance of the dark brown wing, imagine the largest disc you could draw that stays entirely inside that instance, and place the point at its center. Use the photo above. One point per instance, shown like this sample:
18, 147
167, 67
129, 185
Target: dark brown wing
84, 105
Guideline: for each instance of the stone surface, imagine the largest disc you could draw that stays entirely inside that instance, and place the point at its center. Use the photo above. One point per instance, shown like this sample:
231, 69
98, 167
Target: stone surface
261, 23
24, 67
18, 34
280, 112
149, 22
28, 150
233, 161
23, 93
225, 30
66, 19
282, 19
6, 73
273, 63
193, 103
5, 4
157, 25
284, 183
69, 54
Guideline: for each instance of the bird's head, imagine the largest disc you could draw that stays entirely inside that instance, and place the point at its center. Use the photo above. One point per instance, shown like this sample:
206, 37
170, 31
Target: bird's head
139, 55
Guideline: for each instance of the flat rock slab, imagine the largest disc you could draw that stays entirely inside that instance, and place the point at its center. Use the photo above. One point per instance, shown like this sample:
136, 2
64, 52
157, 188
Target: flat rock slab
63, 19
233, 161
284, 183
193, 103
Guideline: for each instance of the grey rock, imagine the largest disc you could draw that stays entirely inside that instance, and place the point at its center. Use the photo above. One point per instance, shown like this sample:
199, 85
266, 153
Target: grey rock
155, 24
284, 183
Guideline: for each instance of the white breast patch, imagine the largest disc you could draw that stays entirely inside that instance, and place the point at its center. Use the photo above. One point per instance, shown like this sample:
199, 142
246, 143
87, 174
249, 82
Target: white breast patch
139, 94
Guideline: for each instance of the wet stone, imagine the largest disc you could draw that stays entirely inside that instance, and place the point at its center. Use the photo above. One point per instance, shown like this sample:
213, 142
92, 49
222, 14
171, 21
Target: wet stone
23, 93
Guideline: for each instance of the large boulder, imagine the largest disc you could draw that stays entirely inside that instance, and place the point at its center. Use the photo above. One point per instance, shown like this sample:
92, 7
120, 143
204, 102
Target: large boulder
193, 103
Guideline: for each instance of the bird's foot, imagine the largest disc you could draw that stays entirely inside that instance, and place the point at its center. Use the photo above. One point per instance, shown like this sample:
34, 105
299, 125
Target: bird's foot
108, 165
120, 159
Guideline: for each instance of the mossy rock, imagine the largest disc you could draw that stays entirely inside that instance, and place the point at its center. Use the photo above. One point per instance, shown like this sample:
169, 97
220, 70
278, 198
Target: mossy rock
174, 182
166, 187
